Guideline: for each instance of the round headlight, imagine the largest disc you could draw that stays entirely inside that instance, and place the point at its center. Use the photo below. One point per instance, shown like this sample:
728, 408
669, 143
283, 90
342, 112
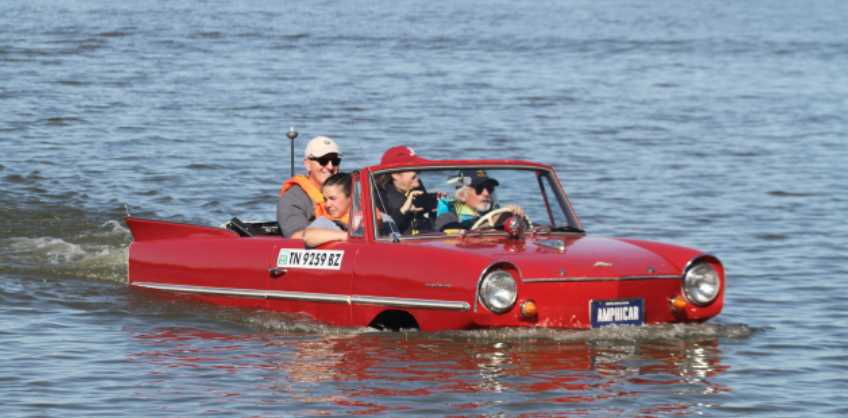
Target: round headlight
701, 284
498, 291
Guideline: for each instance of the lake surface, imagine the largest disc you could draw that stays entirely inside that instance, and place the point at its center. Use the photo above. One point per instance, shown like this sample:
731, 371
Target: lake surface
719, 125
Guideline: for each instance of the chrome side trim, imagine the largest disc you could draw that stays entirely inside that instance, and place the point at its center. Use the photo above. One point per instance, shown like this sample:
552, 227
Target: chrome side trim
601, 279
216, 291
309, 297
411, 303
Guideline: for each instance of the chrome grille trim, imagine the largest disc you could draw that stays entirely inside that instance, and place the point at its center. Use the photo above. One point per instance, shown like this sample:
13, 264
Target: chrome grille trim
601, 279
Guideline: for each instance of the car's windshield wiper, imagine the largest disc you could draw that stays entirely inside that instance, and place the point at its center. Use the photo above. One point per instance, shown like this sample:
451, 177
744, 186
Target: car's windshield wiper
568, 228
546, 230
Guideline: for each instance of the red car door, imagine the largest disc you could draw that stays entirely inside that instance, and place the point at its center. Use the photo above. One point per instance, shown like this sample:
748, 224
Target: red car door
316, 281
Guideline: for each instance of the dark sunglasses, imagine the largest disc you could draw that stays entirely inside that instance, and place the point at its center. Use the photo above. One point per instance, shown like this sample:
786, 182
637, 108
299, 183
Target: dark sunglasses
479, 189
324, 160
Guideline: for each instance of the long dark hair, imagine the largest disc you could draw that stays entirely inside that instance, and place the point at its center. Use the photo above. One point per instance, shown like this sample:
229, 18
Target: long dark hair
339, 179
383, 180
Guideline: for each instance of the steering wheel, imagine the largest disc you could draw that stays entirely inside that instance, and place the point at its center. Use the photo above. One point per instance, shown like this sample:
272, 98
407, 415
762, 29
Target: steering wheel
490, 216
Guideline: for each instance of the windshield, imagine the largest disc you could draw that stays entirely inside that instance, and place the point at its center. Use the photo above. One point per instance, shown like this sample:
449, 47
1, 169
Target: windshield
435, 202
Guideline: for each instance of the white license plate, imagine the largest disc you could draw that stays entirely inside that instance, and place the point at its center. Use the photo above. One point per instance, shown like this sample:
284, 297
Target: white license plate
310, 259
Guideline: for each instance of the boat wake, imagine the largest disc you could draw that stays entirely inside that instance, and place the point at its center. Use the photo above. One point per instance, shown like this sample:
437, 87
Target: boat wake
99, 254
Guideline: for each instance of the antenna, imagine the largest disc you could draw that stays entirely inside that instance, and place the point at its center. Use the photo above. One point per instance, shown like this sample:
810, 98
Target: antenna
395, 233
292, 134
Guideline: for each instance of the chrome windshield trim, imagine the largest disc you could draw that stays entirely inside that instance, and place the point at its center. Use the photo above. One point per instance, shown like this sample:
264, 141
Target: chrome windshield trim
411, 303
216, 291
601, 279
484, 165
309, 297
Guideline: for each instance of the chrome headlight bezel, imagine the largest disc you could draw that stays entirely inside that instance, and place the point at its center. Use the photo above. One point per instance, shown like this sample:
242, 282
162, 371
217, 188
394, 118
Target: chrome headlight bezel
498, 291
701, 284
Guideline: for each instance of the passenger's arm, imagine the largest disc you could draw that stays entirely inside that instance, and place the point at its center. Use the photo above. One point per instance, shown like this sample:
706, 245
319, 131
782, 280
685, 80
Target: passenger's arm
401, 209
292, 214
314, 236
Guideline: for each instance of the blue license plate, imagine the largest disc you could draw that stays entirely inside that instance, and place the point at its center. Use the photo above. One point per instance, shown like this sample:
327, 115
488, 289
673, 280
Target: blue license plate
621, 312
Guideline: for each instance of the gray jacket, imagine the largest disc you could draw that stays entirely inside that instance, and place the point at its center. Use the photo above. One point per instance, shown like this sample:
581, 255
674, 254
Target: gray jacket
295, 211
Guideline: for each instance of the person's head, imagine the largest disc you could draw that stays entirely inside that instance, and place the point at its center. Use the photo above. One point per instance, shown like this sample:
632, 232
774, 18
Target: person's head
404, 181
475, 189
336, 191
322, 159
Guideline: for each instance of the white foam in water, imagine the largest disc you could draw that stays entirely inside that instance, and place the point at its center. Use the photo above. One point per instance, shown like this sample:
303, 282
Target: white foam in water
117, 228
663, 332
286, 323
57, 251
98, 259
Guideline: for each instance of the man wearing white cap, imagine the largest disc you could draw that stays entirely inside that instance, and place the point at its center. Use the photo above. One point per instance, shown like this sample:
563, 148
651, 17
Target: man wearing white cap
300, 194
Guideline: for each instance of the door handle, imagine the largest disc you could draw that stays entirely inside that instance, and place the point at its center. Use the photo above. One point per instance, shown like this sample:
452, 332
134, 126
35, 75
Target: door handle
277, 272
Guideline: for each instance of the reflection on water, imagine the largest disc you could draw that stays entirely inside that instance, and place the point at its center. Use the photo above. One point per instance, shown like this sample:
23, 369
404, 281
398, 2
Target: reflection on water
429, 373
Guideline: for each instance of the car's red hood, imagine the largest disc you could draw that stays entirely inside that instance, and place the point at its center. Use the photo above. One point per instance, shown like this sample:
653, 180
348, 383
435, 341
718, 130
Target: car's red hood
583, 257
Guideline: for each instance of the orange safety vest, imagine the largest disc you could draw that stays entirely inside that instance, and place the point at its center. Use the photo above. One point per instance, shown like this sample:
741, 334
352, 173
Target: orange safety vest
314, 194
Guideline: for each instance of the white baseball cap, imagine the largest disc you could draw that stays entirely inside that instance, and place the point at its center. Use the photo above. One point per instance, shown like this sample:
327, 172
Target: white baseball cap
321, 146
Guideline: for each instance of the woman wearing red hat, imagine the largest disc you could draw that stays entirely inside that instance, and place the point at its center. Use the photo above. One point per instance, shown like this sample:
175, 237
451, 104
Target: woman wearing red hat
398, 191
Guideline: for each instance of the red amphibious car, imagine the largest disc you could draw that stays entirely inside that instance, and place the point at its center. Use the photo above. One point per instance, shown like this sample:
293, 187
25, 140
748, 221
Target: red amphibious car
541, 270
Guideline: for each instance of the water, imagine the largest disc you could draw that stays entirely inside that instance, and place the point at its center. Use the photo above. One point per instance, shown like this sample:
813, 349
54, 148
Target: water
717, 125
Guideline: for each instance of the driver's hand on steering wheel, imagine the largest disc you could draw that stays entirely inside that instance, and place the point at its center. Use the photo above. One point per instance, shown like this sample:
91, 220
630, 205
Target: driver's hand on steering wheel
515, 209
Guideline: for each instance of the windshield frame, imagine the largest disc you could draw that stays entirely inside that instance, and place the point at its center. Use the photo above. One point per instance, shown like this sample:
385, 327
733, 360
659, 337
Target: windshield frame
561, 199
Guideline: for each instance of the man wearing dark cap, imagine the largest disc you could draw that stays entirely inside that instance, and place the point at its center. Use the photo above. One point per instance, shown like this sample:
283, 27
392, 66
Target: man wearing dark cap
473, 199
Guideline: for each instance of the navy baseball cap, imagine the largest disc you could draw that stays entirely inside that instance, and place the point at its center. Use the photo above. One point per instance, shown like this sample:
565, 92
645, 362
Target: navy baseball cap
471, 178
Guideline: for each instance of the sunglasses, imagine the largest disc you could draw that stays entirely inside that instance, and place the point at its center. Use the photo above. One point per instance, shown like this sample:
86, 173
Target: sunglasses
479, 189
324, 160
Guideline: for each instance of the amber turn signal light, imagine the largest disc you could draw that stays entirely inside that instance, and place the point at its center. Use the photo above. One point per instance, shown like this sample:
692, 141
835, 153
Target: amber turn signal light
529, 309
678, 304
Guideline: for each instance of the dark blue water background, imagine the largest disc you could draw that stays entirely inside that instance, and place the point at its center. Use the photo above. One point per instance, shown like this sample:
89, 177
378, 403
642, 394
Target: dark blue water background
719, 125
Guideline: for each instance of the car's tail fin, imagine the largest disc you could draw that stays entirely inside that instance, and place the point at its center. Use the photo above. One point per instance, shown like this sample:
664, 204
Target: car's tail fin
149, 230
